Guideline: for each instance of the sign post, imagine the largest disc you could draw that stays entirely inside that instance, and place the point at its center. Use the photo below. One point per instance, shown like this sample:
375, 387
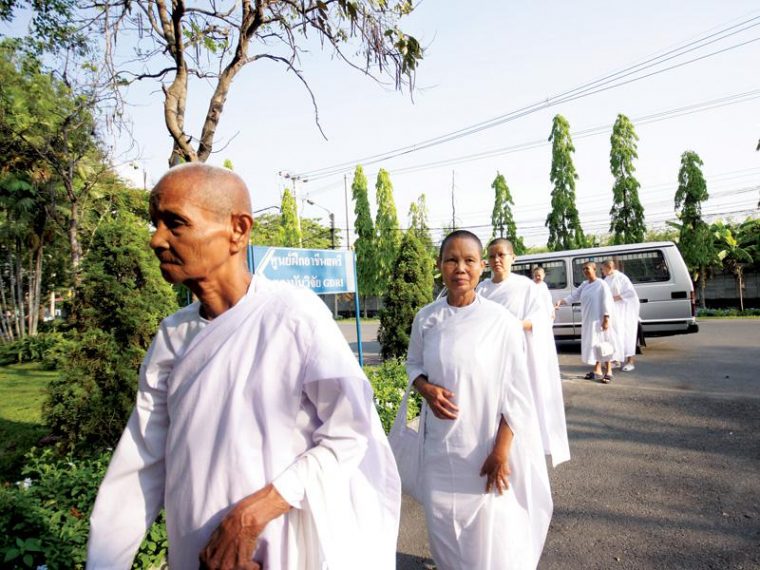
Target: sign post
324, 271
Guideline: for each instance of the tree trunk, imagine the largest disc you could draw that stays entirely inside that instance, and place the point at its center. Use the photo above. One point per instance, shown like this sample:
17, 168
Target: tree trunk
20, 294
702, 286
740, 281
35, 286
76, 246
5, 324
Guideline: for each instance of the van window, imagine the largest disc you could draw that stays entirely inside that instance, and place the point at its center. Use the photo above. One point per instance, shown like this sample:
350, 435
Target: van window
640, 267
556, 274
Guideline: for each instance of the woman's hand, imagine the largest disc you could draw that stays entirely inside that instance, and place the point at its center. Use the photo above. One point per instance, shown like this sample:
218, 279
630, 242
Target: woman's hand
496, 469
438, 398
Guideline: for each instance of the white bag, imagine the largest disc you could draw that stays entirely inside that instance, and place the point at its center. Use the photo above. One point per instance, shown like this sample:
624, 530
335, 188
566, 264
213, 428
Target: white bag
406, 443
603, 348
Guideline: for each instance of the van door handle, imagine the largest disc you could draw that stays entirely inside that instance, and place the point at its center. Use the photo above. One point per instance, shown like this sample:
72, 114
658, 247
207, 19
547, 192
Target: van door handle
643, 300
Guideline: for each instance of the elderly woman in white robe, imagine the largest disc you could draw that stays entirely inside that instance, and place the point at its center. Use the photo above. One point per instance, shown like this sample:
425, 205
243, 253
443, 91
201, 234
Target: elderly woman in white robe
598, 342
626, 311
483, 480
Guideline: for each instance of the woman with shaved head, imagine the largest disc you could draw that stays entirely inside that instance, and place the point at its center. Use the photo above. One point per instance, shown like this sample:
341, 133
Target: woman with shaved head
254, 426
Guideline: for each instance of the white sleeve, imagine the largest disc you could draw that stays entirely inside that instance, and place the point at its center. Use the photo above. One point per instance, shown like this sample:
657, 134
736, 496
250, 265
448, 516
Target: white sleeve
131, 494
575, 294
341, 396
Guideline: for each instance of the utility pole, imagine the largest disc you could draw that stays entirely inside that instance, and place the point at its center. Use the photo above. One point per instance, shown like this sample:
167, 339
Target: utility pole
332, 230
348, 224
453, 205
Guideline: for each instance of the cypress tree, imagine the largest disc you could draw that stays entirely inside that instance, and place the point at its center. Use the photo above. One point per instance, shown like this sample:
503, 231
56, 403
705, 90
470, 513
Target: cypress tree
364, 246
502, 220
290, 229
387, 230
627, 214
564, 224
410, 287
694, 241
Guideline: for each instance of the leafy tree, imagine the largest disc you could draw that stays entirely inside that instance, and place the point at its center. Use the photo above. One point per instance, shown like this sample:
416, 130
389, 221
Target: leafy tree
695, 241
176, 42
266, 231
564, 224
119, 306
365, 244
502, 220
387, 228
290, 228
410, 288
418, 223
46, 122
627, 214
734, 252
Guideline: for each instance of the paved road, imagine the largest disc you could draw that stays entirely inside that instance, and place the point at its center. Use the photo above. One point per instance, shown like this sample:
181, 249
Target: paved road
666, 460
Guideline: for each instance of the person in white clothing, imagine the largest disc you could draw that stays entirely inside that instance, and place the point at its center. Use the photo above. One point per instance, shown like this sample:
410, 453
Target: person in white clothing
254, 426
520, 296
626, 311
483, 479
539, 275
598, 340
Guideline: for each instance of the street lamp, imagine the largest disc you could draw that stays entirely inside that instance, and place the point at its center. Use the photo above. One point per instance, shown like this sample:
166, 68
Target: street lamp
332, 222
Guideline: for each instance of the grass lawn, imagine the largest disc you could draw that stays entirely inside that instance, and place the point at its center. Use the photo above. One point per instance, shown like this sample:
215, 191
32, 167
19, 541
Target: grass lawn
22, 390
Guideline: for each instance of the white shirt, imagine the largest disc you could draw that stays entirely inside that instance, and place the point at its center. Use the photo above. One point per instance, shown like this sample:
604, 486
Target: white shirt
269, 391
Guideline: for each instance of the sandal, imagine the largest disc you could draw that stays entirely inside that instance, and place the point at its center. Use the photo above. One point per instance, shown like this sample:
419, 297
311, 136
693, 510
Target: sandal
592, 376
607, 378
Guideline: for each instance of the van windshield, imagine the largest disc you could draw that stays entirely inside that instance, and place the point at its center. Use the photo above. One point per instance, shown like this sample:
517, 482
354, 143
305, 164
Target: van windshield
556, 272
640, 267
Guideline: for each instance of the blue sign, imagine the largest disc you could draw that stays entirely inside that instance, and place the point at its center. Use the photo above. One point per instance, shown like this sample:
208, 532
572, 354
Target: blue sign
321, 270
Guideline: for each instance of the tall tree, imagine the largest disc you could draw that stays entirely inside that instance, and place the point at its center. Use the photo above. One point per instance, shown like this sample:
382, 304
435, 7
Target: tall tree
627, 215
418, 222
290, 227
502, 220
387, 228
409, 289
44, 118
267, 230
188, 46
564, 224
364, 246
734, 251
694, 241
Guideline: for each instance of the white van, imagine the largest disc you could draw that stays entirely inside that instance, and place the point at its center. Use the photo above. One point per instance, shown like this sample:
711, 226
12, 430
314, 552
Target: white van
656, 270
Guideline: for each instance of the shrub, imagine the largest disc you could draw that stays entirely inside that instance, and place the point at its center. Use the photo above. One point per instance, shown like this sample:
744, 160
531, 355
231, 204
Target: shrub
44, 519
389, 381
44, 347
117, 311
410, 288
729, 312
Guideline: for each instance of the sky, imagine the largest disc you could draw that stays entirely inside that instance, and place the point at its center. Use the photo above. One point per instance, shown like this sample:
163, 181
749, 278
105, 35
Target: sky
485, 60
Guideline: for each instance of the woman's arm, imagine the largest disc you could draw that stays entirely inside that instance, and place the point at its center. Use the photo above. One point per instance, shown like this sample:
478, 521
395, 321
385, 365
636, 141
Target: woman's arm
496, 465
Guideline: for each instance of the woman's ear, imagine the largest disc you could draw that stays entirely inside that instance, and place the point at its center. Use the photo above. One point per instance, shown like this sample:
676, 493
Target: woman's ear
241, 231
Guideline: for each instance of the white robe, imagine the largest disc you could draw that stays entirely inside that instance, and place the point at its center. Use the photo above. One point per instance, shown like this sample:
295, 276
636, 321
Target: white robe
546, 297
476, 352
523, 299
268, 392
626, 311
596, 301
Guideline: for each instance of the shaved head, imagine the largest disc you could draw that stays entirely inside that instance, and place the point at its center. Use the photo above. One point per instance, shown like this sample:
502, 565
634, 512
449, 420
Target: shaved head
217, 190
505, 242
609, 264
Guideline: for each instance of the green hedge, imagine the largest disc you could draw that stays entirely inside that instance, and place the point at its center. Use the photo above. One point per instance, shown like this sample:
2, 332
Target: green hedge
47, 348
44, 519
731, 312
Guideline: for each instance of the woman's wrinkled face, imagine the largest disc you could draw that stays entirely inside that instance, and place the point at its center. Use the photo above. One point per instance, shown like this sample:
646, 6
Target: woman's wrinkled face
461, 266
500, 259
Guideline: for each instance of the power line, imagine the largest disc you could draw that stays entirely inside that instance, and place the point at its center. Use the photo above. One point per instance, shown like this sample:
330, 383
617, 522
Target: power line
605, 83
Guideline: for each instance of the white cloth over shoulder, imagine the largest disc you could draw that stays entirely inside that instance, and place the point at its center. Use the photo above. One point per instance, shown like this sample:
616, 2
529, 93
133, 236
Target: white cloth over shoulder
476, 352
596, 302
268, 392
626, 311
546, 297
520, 296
